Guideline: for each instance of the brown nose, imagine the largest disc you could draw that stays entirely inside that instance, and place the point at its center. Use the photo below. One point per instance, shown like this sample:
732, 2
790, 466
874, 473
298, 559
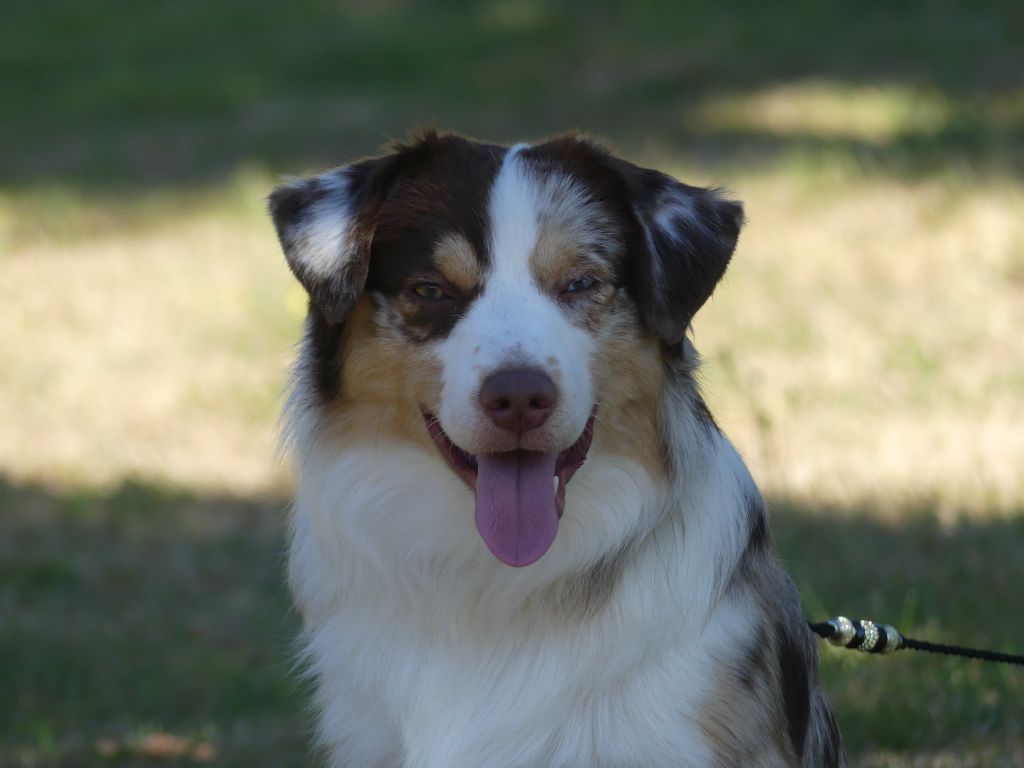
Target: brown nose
518, 400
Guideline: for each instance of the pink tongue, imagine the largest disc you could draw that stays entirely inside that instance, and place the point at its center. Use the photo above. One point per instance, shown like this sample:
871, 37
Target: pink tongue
515, 504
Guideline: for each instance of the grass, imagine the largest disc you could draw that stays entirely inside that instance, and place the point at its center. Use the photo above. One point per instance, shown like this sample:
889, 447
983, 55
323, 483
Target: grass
863, 352
144, 609
141, 609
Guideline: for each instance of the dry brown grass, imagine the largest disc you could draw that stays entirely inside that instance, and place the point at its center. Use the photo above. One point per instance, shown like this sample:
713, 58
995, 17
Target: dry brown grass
158, 353
867, 343
875, 113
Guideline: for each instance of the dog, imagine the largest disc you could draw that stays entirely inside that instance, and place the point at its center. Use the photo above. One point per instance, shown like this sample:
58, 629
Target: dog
518, 537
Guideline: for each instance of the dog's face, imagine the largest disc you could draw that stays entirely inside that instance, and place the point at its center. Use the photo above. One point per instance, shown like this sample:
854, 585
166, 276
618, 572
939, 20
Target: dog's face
499, 299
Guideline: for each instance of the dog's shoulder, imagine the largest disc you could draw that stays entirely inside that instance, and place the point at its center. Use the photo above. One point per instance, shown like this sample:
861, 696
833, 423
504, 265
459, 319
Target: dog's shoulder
772, 678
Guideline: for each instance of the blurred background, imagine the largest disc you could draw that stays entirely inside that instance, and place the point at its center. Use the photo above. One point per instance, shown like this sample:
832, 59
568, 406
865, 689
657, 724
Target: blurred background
865, 351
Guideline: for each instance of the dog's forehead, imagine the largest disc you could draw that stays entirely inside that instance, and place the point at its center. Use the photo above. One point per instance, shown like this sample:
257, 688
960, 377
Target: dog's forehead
557, 206
442, 191
458, 201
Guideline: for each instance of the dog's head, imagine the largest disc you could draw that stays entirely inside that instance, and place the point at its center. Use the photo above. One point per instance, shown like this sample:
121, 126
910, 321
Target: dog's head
502, 297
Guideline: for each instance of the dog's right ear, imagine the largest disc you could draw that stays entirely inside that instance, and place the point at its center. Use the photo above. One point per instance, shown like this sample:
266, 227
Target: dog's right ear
325, 225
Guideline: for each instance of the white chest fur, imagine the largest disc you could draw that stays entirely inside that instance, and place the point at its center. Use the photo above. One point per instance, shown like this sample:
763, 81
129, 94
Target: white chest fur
430, 653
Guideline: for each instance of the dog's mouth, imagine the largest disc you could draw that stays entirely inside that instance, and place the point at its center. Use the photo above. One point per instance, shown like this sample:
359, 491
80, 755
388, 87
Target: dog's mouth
520, 495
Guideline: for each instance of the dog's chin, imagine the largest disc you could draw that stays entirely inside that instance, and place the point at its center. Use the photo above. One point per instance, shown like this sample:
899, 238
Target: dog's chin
520, 494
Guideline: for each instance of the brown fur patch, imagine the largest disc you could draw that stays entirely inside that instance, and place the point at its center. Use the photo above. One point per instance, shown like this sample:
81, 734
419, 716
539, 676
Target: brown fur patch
386, 378
557, 261
559, 258
579, 237
628, 379
456, 260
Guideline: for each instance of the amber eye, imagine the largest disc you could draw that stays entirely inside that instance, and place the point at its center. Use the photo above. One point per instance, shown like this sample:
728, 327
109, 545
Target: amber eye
429, 291
580, 284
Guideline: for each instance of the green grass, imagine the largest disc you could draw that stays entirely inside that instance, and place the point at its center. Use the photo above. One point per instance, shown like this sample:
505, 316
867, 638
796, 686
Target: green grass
125, 94
146, 609
143, 609
935, 582
862, 352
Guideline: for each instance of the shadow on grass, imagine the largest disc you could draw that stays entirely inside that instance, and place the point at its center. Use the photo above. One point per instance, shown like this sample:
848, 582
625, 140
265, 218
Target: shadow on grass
144, 608
147, 608
121, 97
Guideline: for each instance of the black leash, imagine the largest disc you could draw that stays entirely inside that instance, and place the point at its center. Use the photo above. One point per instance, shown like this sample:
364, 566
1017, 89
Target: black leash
868, 637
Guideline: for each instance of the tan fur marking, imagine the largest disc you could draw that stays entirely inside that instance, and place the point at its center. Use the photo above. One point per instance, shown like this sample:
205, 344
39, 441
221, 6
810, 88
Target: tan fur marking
557, 259
577, 236
628, 378
457, 262
387, 379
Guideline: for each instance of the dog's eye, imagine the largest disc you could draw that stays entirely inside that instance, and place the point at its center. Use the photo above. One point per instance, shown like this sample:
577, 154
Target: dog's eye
580, 284
429, 291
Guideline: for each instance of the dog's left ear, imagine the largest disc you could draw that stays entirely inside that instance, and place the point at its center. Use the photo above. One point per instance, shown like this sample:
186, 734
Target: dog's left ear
687, 236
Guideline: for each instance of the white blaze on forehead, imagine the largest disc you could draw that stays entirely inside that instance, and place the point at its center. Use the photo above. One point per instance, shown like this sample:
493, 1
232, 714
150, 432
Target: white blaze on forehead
515, 220
524, 204
514, 322
511, 298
